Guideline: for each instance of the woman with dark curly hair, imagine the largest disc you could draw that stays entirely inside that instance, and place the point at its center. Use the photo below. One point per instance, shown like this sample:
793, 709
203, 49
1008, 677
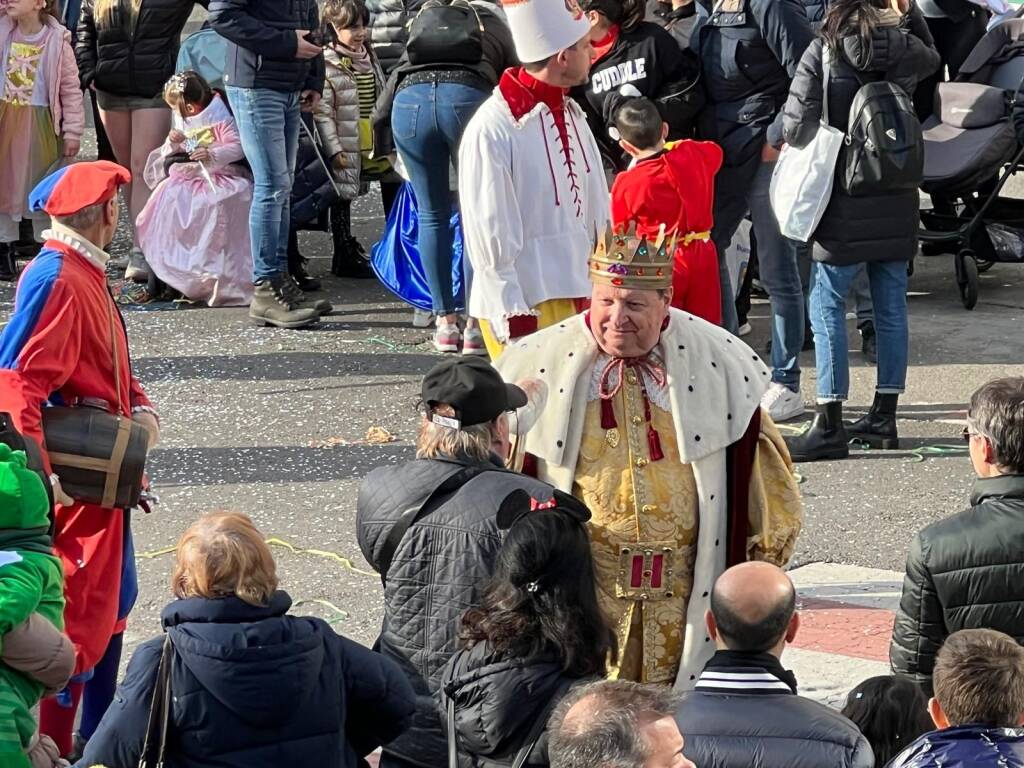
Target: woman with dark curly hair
538, 632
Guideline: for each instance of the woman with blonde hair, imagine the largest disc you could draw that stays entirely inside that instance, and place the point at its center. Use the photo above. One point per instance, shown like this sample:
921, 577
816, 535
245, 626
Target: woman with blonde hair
250, 686
126, 50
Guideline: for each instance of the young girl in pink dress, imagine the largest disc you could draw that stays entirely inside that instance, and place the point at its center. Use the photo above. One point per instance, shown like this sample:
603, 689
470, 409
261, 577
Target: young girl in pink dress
194, 229
41, 114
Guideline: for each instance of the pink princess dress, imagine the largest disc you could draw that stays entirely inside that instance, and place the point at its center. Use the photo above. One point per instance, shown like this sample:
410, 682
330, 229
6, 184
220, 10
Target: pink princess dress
195, 228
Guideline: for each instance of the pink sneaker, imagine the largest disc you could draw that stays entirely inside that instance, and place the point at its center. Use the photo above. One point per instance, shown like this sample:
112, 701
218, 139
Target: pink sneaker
446, 338
473, 342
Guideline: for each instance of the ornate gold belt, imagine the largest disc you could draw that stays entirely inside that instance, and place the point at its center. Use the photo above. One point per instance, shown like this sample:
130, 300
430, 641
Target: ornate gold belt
647, 569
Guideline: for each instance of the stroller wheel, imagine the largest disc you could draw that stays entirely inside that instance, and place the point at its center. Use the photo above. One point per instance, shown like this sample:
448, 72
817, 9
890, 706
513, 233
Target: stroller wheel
154, 286
984, 265
967, 278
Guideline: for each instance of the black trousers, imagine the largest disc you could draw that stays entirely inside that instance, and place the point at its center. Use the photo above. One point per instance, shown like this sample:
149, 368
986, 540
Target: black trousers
954, 41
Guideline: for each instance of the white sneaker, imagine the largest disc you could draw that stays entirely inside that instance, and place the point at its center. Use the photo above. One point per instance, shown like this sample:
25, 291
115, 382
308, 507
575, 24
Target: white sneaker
421, 319
782, 403
447, 337
744, 330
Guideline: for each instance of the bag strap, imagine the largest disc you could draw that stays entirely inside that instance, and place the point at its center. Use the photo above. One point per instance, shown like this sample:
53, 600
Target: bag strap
158, 724
453, 745
433, 499
826, 76
538, 725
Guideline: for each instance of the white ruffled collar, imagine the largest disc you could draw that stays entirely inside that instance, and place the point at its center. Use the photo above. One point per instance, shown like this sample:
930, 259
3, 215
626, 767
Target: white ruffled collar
70, 237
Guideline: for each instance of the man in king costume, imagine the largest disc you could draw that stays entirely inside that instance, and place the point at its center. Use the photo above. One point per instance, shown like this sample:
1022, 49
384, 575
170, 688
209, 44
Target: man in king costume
653, 419
532, 189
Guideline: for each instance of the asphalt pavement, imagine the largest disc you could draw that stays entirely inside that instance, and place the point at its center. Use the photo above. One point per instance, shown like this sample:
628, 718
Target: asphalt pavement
274, 423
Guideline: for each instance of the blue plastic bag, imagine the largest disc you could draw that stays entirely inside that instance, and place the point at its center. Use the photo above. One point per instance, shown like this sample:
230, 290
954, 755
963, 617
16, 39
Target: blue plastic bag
396, 259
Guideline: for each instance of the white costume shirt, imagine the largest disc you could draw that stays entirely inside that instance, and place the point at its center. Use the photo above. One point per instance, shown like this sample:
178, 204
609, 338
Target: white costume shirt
530, 210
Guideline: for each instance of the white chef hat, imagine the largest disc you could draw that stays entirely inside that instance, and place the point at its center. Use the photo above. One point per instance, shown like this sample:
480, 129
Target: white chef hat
542, 28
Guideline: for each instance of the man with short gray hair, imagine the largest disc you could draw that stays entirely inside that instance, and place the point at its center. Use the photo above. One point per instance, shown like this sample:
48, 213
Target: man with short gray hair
967, 571
616, 724
435, 519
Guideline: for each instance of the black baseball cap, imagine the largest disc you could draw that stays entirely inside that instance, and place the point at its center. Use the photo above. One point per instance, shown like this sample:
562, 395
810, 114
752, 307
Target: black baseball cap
473, 388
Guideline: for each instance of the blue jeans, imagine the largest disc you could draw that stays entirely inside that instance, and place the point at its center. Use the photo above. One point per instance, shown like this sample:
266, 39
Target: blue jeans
268, 125
738, 190
831, 286
427, 121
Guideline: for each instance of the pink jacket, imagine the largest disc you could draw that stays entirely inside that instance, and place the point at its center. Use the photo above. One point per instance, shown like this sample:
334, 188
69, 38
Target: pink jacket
61, 73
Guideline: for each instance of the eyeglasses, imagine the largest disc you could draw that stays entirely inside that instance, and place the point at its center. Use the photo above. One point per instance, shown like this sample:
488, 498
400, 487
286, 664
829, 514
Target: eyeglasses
966, 434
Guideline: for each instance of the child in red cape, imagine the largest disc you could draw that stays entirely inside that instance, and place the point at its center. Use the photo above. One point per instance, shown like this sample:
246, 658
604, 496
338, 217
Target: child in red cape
671, 185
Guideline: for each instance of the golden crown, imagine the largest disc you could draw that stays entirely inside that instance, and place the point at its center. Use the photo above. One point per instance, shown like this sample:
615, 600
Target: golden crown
623, 259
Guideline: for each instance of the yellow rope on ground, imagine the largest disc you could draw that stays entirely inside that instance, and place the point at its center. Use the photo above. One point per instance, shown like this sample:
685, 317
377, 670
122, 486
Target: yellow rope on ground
343, 561
274, 541
341, 615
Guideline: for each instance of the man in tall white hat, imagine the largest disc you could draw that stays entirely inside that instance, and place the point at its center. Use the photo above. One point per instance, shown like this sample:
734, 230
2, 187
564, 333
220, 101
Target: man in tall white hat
531, 184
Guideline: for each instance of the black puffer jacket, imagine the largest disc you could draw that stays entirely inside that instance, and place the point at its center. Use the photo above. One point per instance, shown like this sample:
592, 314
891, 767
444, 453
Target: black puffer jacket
865, 228
262, 43
389, 28
750, 723
131, 61
964, 572
497, 702
647, 57
312, 191
439, 571
749, 52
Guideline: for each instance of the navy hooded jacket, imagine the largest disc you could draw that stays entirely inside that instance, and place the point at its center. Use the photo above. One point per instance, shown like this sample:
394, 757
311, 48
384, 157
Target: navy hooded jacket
966, 746
254, 687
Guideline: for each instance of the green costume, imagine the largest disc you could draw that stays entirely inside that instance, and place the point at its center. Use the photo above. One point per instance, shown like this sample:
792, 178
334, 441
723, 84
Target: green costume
31, 581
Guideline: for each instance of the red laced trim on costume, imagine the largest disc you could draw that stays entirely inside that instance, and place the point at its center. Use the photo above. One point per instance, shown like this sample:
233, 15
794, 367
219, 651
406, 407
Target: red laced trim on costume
568, 160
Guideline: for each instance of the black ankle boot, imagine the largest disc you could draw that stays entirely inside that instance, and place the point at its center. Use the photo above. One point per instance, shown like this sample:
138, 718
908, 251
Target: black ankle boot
349, 256
868, 343
8, 269
826, 439
297, 266
878, 427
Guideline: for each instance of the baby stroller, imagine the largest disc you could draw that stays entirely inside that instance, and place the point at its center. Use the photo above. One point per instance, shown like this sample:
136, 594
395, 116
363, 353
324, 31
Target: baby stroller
971, 151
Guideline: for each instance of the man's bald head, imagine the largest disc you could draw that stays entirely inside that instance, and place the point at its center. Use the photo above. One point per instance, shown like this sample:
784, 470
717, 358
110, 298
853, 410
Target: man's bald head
753, 604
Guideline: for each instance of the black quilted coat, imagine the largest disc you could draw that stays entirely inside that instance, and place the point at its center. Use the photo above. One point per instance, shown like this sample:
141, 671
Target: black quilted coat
964, 572
873, 227
128, 60
439, 570
389, 28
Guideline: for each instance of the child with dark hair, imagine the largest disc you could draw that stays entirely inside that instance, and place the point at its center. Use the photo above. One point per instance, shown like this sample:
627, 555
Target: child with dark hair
194, 227
353, 83
671, 186
891, 712
539, 631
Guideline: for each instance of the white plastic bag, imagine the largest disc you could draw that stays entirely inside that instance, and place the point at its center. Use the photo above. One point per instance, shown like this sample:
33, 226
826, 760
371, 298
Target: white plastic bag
801, 184
737, 256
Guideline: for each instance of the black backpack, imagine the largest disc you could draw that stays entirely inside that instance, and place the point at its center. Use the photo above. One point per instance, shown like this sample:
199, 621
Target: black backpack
884, 149
446, 33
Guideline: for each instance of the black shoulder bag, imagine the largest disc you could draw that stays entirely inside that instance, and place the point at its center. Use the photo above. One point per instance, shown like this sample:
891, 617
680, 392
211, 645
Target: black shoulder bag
417, 512
154, 747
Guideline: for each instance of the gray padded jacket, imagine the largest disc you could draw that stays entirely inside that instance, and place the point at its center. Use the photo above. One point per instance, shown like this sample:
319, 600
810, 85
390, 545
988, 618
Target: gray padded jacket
337, 119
